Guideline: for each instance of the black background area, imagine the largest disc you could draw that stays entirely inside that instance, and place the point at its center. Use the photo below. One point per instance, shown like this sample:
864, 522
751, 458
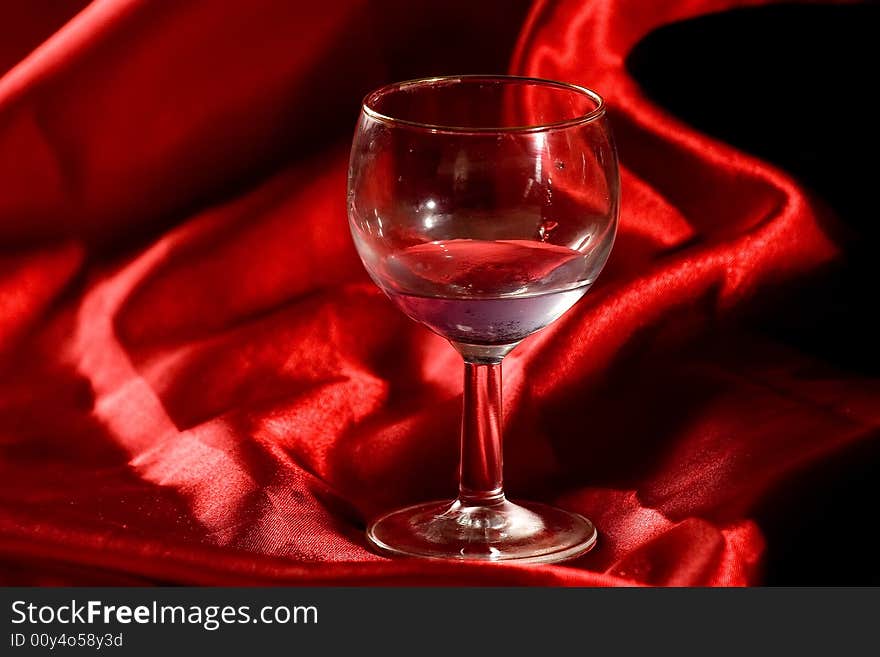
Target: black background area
796, 86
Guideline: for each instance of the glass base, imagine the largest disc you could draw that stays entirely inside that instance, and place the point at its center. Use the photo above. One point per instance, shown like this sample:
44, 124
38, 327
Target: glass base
501, 531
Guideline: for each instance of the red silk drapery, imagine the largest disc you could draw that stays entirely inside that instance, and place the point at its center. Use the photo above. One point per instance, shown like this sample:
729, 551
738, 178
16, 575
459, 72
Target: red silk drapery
198, 383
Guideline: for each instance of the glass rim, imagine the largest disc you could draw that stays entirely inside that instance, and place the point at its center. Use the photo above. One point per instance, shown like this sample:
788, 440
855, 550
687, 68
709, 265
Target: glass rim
581, 119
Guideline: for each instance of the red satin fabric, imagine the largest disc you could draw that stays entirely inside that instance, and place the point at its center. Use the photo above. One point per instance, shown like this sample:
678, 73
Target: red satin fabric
198, 384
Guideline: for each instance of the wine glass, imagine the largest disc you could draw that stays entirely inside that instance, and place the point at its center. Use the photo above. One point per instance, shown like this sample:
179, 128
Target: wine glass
484, 207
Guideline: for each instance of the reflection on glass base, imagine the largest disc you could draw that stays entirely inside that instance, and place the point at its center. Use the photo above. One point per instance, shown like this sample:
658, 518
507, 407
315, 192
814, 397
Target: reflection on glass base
503, 531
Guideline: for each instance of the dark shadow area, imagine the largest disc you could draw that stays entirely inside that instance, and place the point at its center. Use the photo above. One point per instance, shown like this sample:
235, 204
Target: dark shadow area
25, 24
821, 528
312, 109
454, 37
63, 472
795, 85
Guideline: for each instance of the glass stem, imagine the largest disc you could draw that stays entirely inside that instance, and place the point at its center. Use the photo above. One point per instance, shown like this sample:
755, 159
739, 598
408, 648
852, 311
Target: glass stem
480, 476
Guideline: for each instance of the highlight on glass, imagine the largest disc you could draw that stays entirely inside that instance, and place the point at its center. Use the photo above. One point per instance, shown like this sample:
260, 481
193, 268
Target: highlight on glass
484, 207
